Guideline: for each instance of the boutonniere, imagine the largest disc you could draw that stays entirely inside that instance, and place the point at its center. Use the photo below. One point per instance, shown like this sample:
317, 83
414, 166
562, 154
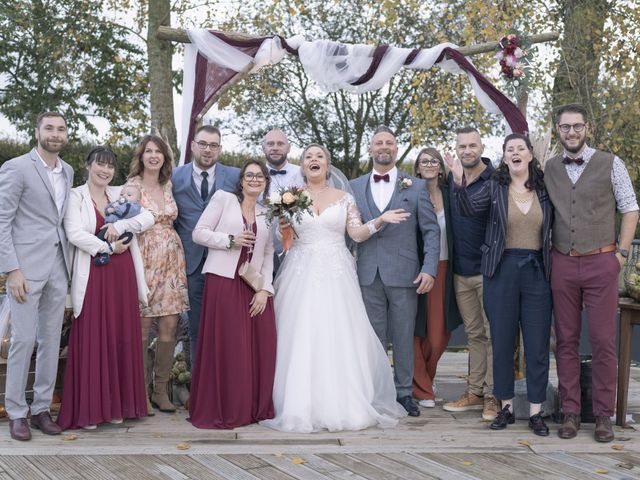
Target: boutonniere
405, 182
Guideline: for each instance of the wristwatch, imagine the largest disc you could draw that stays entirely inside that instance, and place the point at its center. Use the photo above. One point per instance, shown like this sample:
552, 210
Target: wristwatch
231, 242
623, 252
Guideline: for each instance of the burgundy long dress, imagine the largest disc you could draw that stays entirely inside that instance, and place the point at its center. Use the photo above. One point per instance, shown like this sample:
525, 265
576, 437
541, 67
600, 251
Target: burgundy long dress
235, 359
104, 377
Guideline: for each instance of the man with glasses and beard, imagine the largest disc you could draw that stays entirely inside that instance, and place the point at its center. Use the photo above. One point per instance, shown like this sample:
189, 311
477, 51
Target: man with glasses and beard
193, 186
586, 186
276, 147
34, 192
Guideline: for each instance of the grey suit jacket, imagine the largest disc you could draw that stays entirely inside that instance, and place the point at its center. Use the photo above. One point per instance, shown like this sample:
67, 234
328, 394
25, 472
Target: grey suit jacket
393, 251
30, 227
190, 206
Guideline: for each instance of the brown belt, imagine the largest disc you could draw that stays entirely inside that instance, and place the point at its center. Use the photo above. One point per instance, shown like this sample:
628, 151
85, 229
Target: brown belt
607, 248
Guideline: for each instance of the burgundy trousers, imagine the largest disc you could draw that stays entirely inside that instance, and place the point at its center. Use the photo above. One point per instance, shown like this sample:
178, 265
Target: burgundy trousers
593, 281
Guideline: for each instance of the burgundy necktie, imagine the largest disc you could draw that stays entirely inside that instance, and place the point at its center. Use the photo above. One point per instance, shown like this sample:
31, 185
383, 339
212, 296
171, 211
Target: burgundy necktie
384, 178
568, 161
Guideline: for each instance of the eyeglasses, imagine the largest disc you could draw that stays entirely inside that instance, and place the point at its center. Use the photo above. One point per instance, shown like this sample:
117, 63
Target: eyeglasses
205, 145
566, 127
426, 162
254, 177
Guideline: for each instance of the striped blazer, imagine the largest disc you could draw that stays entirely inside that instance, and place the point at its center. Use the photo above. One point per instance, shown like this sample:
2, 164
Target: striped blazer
495, 198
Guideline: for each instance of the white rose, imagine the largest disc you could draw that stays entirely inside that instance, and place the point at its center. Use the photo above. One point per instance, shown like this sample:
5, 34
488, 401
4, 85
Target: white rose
275, 198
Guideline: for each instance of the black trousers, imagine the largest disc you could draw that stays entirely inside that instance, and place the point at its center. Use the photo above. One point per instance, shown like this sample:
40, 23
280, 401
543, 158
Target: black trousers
518, 294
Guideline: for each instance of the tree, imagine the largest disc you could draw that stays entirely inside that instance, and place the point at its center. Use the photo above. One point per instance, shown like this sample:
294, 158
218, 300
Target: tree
65, 55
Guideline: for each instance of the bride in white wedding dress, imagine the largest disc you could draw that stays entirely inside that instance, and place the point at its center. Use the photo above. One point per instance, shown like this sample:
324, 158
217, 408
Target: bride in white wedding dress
331, 370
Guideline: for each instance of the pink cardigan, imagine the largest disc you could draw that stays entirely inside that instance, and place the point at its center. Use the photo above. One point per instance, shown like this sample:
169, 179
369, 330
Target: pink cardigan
223, 217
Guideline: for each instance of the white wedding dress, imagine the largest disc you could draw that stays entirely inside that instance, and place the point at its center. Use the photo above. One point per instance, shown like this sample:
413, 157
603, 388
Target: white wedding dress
331, 370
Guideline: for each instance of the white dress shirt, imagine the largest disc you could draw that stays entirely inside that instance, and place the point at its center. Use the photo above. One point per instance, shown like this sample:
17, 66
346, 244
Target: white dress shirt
293, 177
57, 181
197, 176
383, 191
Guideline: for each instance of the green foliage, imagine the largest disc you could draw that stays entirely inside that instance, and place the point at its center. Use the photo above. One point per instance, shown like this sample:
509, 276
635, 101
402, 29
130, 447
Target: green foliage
64, 55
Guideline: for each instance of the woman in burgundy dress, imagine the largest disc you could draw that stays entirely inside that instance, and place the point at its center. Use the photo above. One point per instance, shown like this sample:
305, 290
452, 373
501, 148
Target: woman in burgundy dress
236, 352
104, 379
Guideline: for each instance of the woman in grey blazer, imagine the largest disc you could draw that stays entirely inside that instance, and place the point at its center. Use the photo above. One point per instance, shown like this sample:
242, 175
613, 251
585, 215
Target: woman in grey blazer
515, 267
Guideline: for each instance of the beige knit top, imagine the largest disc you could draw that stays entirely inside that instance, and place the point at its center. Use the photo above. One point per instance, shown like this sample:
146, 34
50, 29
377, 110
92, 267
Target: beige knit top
524, 230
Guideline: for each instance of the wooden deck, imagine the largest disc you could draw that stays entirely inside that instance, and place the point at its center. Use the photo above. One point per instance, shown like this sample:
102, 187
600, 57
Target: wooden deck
437, 444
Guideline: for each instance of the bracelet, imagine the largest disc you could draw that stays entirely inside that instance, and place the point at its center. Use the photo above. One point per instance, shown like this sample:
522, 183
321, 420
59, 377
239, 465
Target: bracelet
231, 242
110, 247
372, 228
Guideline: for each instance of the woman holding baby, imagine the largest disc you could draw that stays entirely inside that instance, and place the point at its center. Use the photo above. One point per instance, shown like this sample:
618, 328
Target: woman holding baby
104, 379
164, 264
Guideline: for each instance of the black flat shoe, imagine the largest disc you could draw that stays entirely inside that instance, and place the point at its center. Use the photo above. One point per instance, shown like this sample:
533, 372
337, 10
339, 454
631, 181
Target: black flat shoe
409, 405
503, 418
536, 423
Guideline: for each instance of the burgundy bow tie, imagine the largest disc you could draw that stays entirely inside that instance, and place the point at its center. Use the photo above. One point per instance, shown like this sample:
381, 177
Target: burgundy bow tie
568, 161
377, 178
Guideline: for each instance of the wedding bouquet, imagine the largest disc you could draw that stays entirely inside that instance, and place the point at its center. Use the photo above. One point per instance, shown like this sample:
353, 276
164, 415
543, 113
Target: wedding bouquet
288, 203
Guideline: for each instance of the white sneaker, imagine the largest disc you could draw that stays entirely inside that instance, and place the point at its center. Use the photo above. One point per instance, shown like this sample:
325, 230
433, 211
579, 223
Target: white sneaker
89, 427
427, 403
115, 421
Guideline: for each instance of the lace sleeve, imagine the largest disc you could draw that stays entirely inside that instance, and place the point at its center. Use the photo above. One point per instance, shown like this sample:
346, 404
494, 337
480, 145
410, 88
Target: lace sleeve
358, 231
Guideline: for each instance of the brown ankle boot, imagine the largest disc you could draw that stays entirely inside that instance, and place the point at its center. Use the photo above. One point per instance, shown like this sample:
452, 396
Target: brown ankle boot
162, 369
147, 375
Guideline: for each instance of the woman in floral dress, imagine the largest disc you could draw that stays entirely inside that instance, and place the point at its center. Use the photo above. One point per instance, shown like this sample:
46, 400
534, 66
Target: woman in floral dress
163, 258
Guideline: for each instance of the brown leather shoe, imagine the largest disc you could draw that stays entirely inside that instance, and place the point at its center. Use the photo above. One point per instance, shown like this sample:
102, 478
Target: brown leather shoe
19, 429
42, 421
570, 426
603, 431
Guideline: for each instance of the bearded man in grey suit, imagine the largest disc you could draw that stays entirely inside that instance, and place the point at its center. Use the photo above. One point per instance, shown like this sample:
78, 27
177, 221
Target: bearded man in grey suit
34, 191
193, 186
388, 266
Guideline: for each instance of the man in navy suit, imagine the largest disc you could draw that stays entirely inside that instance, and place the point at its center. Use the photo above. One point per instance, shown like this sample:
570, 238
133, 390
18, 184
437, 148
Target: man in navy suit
193, 186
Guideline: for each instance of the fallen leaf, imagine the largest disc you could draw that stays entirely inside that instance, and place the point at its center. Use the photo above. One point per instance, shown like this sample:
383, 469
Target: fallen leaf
69, 437
524, 443
617, 446
602, 471
277, 455
467, 463
297, 461
183, 446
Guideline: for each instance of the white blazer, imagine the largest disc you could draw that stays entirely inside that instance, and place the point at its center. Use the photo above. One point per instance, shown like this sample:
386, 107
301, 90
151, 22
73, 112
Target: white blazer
80, 225
223, 216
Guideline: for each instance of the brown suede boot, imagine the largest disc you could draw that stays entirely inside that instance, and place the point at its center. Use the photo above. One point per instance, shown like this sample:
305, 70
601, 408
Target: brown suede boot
162, 369
147, 375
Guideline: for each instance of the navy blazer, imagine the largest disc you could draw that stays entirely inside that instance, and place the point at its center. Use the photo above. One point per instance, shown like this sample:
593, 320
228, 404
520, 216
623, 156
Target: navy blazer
495, 197
190, 206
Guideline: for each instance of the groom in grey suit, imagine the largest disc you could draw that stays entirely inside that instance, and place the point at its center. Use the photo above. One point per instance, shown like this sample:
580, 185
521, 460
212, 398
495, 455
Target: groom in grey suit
193, 186
389, 271
34, 191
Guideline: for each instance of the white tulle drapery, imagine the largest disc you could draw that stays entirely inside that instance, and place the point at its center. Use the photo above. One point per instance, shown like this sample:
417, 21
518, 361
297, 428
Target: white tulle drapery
332, 65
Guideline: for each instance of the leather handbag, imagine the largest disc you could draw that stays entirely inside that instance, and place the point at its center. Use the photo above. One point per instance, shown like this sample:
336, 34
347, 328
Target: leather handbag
251, 276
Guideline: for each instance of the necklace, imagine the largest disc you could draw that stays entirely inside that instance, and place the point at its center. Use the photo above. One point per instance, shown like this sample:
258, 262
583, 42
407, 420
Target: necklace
319, 191
521, 197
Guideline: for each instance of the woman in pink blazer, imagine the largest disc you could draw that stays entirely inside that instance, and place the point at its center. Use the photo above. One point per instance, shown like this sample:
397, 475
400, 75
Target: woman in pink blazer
236, 351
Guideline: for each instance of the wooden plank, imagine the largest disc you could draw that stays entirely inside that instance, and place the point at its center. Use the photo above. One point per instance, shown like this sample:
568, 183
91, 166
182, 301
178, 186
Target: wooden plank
88, 465
531, 465
191, 467
138, 467
612, 462
223, 467
391, 466
257, 467
56, 467
330, 470
587, 466
359, 467
286, 464
21, 467
428, 466
474, 464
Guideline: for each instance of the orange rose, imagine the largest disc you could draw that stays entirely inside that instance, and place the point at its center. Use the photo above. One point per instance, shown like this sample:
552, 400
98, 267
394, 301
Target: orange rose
288, 198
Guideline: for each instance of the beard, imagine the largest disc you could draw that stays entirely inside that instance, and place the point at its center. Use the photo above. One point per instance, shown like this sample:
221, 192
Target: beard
47, 146
276, 162
383, 159
470, 163
575, 149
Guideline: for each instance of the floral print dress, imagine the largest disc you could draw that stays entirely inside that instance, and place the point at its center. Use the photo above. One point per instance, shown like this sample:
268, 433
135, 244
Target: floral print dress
163, 257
